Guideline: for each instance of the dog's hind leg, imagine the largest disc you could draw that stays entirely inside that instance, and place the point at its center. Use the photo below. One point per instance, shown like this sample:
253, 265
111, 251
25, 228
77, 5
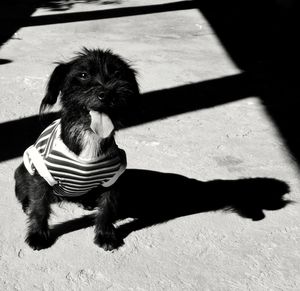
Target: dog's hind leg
105, 233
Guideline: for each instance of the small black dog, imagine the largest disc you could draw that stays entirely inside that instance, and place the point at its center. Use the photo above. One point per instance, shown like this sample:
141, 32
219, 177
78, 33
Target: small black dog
76, 158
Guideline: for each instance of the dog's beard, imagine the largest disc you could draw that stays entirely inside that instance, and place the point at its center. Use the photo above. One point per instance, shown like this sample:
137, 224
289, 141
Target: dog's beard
101, 128
88, 134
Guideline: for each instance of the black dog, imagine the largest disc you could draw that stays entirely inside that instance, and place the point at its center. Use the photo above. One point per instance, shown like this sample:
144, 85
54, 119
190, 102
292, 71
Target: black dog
76, 158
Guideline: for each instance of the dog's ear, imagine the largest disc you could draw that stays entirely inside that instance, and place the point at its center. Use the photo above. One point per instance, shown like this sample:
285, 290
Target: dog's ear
54, 85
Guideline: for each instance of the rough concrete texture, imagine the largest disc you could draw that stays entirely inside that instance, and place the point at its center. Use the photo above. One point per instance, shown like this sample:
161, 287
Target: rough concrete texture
236, 142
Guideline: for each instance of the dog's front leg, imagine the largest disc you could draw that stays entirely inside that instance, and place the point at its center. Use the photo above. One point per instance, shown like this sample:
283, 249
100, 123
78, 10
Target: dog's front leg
38, 235
105, 233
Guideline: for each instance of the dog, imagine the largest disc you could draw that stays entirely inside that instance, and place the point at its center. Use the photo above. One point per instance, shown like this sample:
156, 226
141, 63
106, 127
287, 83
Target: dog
76, 158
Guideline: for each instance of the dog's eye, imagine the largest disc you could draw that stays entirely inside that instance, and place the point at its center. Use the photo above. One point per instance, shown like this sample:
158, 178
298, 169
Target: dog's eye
117, 73
83, 75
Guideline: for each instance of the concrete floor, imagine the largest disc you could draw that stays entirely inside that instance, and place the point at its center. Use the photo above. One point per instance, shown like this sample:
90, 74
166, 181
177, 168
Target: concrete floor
199, 165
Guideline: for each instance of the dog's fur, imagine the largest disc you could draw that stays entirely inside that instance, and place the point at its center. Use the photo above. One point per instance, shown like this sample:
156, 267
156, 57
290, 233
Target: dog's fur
94, 80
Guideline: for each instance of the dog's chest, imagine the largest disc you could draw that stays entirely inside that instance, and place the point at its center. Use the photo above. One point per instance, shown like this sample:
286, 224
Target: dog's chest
91, 146
76, 175
75, 179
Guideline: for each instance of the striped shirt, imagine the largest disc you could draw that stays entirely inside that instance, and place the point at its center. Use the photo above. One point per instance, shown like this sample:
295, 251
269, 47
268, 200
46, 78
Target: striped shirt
66, 172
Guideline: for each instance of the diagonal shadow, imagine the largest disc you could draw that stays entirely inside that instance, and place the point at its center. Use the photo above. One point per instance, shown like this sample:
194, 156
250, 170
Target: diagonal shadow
156, 105
108, 13
63, 5
4, 61
206, 94
20, 134
259, 36
159, 197
15, 14
258, 43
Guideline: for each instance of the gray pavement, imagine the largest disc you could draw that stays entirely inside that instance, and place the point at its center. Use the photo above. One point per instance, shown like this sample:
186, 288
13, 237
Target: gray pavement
200, 166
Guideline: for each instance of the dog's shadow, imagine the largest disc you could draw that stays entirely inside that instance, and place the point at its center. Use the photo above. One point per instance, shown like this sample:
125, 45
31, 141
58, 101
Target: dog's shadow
153, 197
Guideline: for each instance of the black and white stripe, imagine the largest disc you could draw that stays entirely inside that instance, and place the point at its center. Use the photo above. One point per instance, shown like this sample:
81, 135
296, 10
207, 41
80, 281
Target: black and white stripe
74, 176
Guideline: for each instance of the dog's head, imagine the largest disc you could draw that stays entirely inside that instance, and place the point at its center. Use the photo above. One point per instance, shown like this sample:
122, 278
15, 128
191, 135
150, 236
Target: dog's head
94, 80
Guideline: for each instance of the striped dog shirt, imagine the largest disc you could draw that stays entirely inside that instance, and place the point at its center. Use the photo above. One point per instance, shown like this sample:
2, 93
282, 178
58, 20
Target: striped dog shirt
66, 172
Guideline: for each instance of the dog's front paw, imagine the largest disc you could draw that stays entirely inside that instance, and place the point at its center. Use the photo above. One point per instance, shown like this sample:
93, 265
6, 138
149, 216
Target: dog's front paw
39, 240
108, 240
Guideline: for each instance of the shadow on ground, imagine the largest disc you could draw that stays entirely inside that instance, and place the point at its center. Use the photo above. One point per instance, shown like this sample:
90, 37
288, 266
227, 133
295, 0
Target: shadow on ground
15, 14
20, 134
62, 5
259, 36
153, 197
4, 61
196, 96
